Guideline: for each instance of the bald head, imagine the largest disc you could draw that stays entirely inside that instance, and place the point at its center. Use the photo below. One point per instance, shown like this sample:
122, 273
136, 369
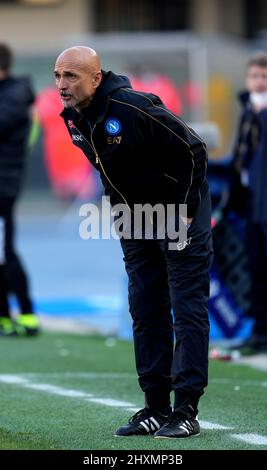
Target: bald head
78, 74
82, 56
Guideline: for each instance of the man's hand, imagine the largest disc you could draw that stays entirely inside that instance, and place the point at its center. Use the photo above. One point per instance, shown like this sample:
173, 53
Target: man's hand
187, 221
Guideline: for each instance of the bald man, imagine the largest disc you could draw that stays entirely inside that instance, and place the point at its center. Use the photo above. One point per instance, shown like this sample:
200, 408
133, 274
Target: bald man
147, 155
78, 74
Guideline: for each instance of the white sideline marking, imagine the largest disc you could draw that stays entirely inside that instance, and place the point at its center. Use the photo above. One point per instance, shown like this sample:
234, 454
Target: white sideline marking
58, 390
120, 375
111, 402
98, 375
16, 379
82, 375
208, 425
255, 439
13, 379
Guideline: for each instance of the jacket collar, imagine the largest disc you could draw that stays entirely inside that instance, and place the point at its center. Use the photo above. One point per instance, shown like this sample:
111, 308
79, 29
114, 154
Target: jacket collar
97, 109
243, 97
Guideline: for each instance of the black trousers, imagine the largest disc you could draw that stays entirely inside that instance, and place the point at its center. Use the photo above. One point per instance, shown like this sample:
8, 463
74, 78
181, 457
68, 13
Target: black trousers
161, 279
257, 251
13, 278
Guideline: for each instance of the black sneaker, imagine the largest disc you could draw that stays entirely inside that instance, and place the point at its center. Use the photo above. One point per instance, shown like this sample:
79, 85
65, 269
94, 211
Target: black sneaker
179, 425
143, 423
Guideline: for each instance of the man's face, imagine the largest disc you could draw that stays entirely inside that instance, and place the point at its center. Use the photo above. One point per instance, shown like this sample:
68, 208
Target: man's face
76, 83
256, 79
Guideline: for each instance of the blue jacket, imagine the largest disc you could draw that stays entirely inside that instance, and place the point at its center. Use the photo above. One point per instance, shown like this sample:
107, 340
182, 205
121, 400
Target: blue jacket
251, 155
145, 154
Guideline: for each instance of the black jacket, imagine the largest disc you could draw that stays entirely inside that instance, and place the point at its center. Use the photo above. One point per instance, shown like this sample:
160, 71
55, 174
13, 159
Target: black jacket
145, 154
250, 154
15, 99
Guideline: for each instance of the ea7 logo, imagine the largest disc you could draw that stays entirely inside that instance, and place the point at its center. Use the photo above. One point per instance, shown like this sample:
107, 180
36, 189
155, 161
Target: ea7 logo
114, 140
77, 137
183, 244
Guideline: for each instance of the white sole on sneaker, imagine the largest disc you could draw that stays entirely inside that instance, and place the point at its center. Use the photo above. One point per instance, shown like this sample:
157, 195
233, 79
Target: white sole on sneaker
173, 437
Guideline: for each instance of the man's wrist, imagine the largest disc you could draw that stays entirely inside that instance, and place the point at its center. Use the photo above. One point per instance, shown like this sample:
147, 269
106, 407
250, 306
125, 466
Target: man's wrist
187, 220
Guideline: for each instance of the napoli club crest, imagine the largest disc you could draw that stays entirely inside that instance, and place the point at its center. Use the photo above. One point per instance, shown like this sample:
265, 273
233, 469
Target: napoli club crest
112, 126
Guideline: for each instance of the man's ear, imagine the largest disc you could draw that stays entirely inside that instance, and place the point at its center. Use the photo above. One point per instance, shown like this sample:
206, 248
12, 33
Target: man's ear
97, 79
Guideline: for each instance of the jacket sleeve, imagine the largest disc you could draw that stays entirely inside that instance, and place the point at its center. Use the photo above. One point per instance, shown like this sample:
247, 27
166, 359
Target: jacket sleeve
183, 152
11, 114
262, 116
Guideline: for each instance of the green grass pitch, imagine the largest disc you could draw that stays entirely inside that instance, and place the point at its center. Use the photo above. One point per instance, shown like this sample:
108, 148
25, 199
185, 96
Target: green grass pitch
57, 391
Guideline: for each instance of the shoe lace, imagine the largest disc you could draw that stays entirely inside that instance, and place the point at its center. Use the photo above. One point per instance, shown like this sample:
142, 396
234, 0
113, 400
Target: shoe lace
145, 418
143, 413
180, 419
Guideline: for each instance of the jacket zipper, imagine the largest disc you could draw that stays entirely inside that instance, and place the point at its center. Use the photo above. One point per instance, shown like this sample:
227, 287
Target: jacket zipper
171, 177
98, 162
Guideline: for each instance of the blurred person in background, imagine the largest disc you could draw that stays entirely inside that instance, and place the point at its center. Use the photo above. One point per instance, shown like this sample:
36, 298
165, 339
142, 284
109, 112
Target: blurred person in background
71, 175
16, 98
147, 79
145, 154
248, 192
